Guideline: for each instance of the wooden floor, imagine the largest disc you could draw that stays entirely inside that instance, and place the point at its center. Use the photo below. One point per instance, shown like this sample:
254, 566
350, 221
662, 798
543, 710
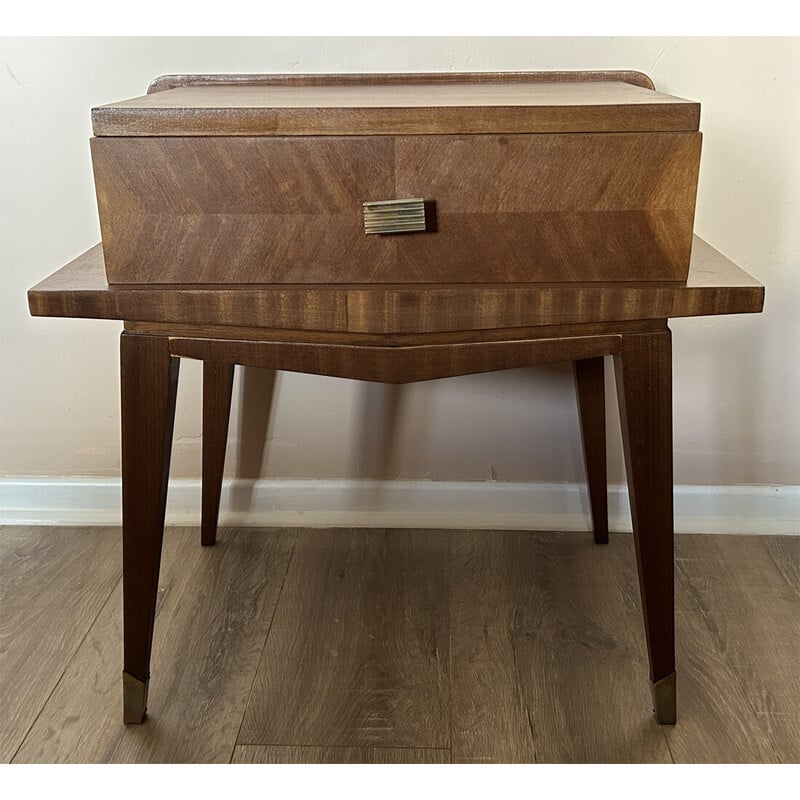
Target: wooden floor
397, 646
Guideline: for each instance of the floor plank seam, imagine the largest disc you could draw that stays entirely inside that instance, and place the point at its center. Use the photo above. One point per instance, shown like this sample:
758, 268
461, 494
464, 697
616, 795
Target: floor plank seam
773, 714
778, 566
317, 746
64, 671
263, 648
666, 740
727, 695
517, 684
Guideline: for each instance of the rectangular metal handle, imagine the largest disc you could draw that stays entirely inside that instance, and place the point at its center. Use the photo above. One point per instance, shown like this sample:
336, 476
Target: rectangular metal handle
394, 216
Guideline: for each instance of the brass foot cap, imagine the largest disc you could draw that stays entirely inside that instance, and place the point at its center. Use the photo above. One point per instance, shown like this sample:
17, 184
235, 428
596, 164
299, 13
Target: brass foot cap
134, 699
664, 700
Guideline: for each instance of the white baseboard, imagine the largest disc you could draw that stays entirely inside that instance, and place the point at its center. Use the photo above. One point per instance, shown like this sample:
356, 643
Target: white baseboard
406, 504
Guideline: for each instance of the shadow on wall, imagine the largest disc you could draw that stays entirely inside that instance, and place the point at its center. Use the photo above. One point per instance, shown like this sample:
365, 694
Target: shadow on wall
399, 426
256, 408
380, 410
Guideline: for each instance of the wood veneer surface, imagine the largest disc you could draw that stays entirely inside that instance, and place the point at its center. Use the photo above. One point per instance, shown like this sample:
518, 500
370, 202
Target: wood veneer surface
715, 285
367, 109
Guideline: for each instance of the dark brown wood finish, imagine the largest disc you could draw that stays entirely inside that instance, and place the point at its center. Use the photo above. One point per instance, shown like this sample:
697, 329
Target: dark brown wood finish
217, 390
644, 388
715, 285
590, 390
396, 364
389, 340
149, 380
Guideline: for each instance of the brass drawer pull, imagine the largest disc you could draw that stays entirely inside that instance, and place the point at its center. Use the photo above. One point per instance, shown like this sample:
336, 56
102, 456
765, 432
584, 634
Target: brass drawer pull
394, 216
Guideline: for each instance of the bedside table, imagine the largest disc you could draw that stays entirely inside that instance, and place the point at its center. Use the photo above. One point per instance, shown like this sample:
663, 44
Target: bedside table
397, 228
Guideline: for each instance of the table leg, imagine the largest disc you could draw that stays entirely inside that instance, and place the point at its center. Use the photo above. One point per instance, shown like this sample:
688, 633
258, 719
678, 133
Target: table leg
149, 381
644, 385
217, 392
590, 390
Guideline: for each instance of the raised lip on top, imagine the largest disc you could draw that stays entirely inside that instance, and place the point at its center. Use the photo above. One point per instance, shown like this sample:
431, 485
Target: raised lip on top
165, 82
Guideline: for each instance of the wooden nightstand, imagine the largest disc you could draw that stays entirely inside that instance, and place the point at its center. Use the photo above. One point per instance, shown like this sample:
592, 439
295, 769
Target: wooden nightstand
531, 218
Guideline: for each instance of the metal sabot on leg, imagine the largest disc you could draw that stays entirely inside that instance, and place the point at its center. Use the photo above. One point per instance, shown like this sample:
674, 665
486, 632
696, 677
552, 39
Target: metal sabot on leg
134, 699
664, 697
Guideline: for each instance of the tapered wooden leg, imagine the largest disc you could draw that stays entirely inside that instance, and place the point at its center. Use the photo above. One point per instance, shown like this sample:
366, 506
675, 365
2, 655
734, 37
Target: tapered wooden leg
644, 385
149, 380
217, 392
590, 389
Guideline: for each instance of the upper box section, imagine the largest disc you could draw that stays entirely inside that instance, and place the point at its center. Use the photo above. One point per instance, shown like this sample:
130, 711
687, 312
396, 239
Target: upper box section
341, 105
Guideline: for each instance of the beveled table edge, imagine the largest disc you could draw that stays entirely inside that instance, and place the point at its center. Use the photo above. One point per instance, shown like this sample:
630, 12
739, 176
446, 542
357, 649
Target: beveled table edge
715, 285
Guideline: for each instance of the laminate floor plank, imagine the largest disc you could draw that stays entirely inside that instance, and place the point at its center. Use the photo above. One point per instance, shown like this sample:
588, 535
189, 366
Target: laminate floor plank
785, 553
752, 614
53, 584
276, 754
716, 721
358, 652
214, 609
783, 732
365, 646
549, 662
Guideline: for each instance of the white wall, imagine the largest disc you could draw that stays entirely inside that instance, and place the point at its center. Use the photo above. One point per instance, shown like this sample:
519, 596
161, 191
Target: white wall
737, 379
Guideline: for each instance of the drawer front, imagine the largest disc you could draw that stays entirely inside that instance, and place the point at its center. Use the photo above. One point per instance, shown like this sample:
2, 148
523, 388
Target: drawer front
521, 208
553, 208
241, 209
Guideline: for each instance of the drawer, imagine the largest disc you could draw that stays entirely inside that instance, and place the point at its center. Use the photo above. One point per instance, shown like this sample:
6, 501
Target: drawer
514, 208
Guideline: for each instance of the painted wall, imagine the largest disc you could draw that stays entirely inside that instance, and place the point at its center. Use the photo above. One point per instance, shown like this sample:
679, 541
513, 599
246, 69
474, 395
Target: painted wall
737, 379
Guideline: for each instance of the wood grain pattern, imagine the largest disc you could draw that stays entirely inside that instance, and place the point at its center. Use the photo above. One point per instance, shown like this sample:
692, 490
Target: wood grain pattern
398, 94
782, 732
643, 371
370, 108
548, 662
389, 340
240, 210
748, 608
716, 723
278, 754
539, 623
54, 583
715, 285
148, 389
214, 611
785, 554
596, 207
396, 364
362, 660
164, 82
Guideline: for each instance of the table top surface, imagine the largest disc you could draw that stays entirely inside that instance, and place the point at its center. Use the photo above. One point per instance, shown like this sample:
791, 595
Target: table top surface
715, 286
357, 105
